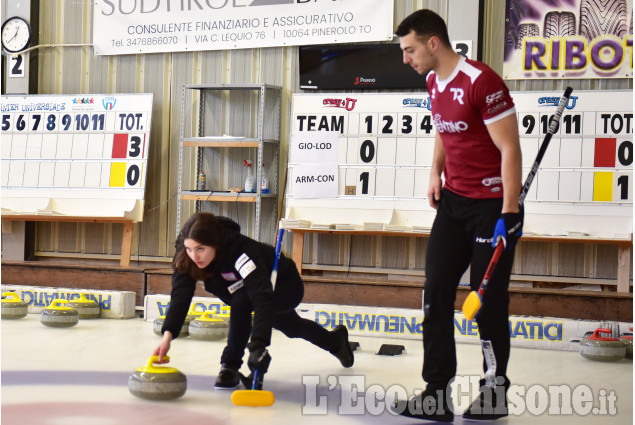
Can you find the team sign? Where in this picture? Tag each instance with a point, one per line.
(148, 26)
(315, 172)
(75, 146)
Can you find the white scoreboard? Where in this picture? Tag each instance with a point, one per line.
(385, 153)
(58, 151)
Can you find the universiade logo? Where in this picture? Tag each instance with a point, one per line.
(348, 103)
(417, 103)
(108, 103)
(352, 396)
(555, 100)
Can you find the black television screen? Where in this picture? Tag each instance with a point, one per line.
(356, 67)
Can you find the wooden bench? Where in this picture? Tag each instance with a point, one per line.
(126, 243)
(624, 245)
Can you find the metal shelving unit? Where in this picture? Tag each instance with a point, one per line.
(231, 118)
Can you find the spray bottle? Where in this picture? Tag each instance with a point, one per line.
(264, 182)
(201, 181)
(249, 181)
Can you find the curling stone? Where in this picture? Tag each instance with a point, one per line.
(59, 315)
(191, 315)
(157, 382)
(13, 307)
(87, 309)
(208, 327)
(225, 311)
(158, 324)
(602, 348)
(627, 339)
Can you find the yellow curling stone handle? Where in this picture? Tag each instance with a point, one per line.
(151, 368)
(58, 304)
(208, 316)
(83, 299)
(10, 297)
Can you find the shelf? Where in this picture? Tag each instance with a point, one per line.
(219, 142)
(219, 196)
(204, 142)
(215, 116)
(223, 196)
(255, 86)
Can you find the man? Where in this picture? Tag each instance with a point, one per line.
(477, 151)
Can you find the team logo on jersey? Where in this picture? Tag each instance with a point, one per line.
(458, 94)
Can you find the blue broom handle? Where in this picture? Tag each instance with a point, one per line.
(274, 272)
(254, 384)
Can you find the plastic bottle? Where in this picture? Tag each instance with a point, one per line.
(249, 181)
(201, 181)
(264, 182)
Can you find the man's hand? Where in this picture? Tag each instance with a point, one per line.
(509, 228)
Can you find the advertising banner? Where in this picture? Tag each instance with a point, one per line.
(568, 39)
(150, 26)
(389, 324)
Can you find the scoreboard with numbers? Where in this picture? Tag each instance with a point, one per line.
(61, 150)
(386, 146)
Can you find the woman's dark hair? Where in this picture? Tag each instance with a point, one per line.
(205, 229)
(425, 23)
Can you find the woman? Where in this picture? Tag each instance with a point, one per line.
(237, 269)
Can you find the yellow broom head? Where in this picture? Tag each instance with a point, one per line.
(253, 398)
(472, 305)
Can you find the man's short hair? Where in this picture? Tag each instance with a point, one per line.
(425, 23)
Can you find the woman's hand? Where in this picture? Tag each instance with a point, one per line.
(164, 346)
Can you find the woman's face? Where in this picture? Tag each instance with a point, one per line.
(201, 255)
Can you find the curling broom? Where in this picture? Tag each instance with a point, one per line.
(255, 397)
(474, 300)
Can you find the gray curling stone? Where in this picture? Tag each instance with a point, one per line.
(602, 348)
(59, 315)
(208, 328)
(87, 308)
(191, 315)
(157, 382)
(13, 307)
(158, 324)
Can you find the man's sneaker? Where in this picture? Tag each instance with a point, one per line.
(228, 378)
(429, 405)
(488, 405)
(344, 352)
